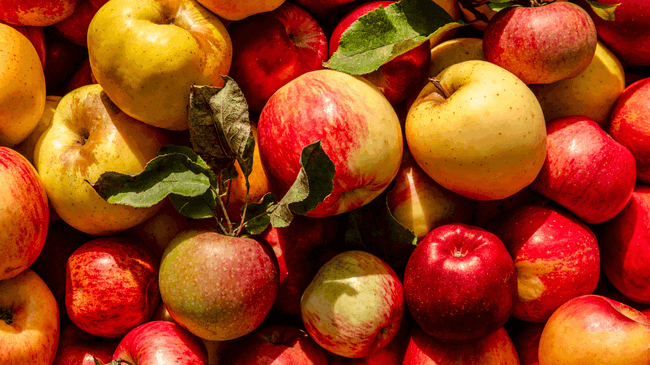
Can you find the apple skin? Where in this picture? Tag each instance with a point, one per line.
(149, 77)
(33, 334)
(238, 10)
(111, 286)
(586, 171)
(39, 13)
(358, 128)
(354, 306)
(27, 146)
(484, 211)
(406, 74)
(231, 293)
(494, 349)
(36, 35)
(592, 329)
(556, 257)
(275, 345)
(460, 283)
(322, 8)
(624, 245)
(455, 51)
(629, 125)
(24, 214)
(79, 146)
(541, 44)
(75, 27)
(273, 48)
(22, 96)
(161, 343)
(480, 157)
(77, 347)
(628, 35)
(593, 93)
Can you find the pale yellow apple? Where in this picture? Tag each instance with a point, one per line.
(146, 54)
(593, 93)
(484, 138)
(455, 51)
(452, 8)
(26, 147)
(22, 87)
(240, 9)
(89, 135)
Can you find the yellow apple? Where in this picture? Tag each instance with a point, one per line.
(481, 135)
(593, 93)
(26, 147)
(455, 51)
(240, 9)
(146, 55)
(89, 135)
(452, 8)
(22, 87)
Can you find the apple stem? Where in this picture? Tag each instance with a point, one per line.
(225, 213)
(7, 316)
(438, 86)
(243, 213)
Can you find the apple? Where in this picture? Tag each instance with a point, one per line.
(628, 32)
(358, 128)
(77, 347)
(452, 7)
(29, 320)
(592, 329)
(460, 283)
(24, 219)
(238, 10)
(475, 153)
(420, 204)
(147, 54)
(527, 343)
(27, 146)
(22, 95)
(354, 305)
(75, 27)
(36, 35)
(484, 211)
(471, 18)
(276, 345)
(593, 93)
(83, 76)
(39, 13)
(397, 78)
(625, 247)
(111, 286)
(63, 60)
(218, 287)
(541, 44)
(88, 136)
(556, 257)
(629, 125)
(323, 8)
(455, 51)
(586, 170)
(494, 349)
(160, 343)
(271, 49)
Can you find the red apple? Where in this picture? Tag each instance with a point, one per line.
(39, 13)
(358, 128)
(527, 343)
(36, 35)
(273, 48)
(24, 213)
(275, 345)
(592, 329)
(77, 347)
(485, 210)
(541, 44)
(322, 8)
(585, 170)
(629, 125)
(111, 286)
(556, 257)
(63, 60)
(460, 283)
(625, 245)
(160, 343)
(83, 76)
(494, 349)
(75, 27)
(398, 78)
(29, 320)
(628, 33)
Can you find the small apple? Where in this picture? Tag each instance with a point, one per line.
(40, 13)
(484, 211)
(238, 10)
(77, 347)
(482, 156)
(543, 43)
(75, 27)
(354, 305)
(586, 170)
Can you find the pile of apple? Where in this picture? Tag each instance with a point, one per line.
(490, 202)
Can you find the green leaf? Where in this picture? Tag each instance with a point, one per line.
(604, 11)
(385, 33)
(498, 5)
(170, 173)
(312, 185)
(257, 219)
(197, 207)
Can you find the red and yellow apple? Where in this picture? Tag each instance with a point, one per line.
(39, 13)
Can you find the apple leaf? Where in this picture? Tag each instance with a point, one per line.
(604, 11)
(312, 185)
(176, 170)
(385, 33)
(498, 5)
(196, 207)
(257, 214)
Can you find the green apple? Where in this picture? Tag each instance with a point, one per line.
(480, 132)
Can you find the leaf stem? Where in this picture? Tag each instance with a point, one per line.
(268, 211)
(223, 209)
(243, 213)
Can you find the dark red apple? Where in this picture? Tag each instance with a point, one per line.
(460, 283)
(75, 27)
(527, 343)
(77, 347)
(63, 59)
(83, 76)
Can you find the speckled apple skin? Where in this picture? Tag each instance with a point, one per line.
(40, 13)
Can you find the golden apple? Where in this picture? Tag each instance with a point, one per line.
(455, 51)
(146, 55)
(27, 146)
(89, 135)
(239, 9)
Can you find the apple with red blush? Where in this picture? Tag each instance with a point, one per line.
(75, 27)
(39, 13)
(77, 347)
